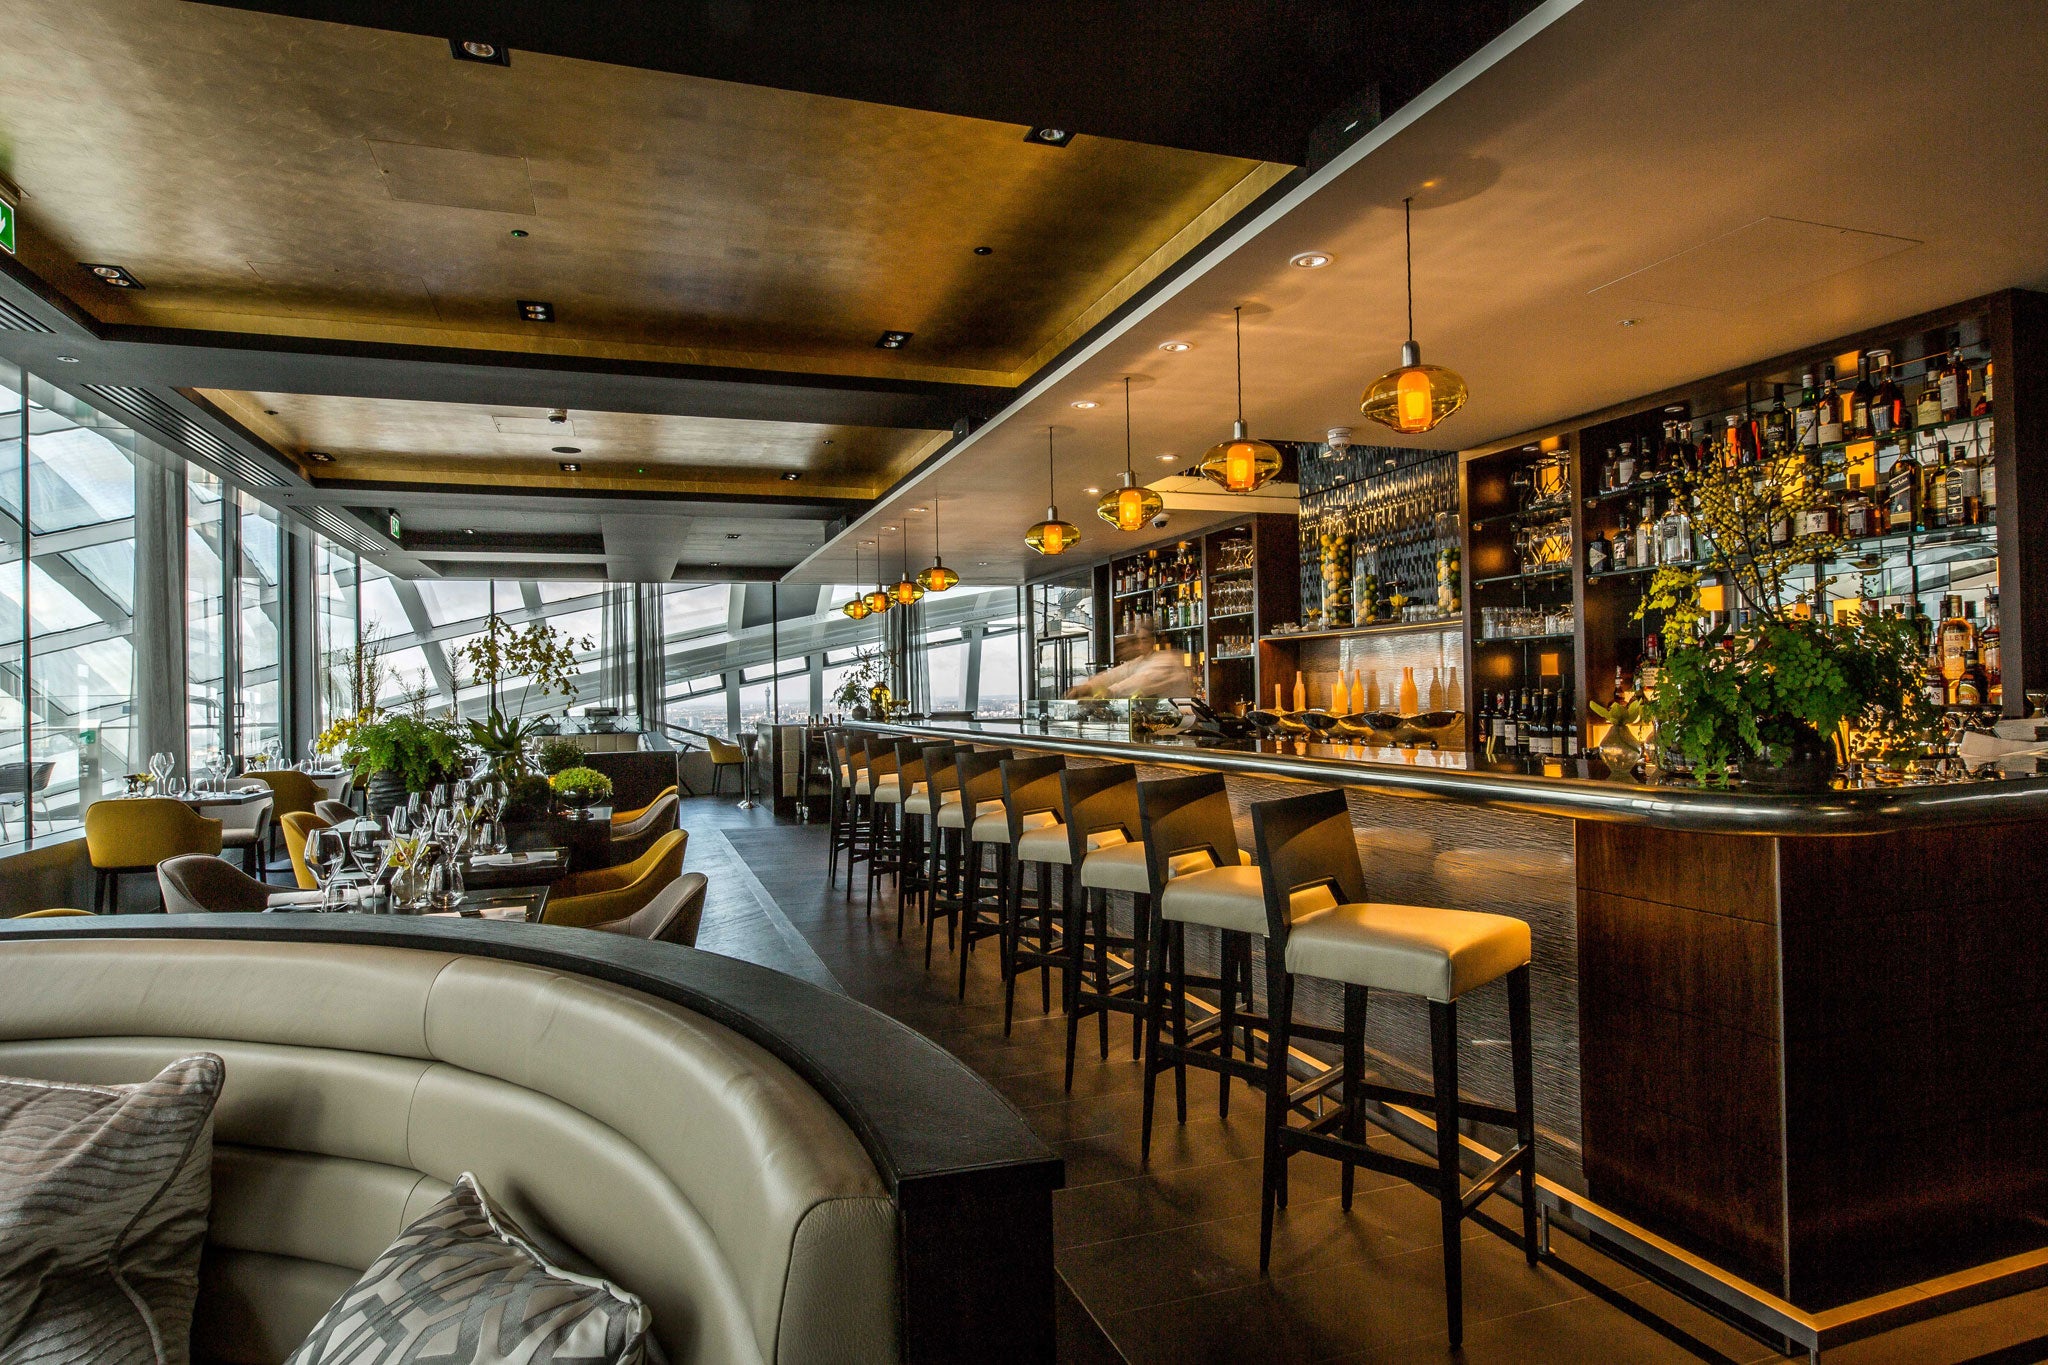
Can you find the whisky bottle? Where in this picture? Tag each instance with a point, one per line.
(1954, 385)
(1957, 638)
(1888, 411)
(1902, 496)
(1988, 653)
(1935, 513)
(1644, 555)
(1777, 424)
(1860, 423)
(1927, 408)
(1806, 417)
(1597, 555)
(1625, 466)
(1830, 411)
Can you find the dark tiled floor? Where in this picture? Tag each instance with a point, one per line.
(1166, 1262)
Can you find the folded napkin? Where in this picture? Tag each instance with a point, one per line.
(510, 859)
(285, 900)
(500, 912)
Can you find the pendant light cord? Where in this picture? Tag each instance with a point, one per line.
(1127, 424)
(1239, 311)
(1050, 499)
(1408, 251)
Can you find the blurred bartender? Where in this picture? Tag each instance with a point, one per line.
(1149, 671)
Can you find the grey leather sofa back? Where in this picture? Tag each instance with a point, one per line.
(633, 1136)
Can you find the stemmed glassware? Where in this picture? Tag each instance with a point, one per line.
(327, 858)
(160, 766)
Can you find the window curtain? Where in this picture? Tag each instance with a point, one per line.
(158, 620)
(649, 666)
(615, 681)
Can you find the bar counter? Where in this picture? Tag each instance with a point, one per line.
(1804, 1037)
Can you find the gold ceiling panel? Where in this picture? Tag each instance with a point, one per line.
(287, 176)
(389, 440)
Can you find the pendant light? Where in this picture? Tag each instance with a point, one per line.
(1415, 397)
(858, 608)
(1129, 507)
(1052, 536)
(1240, 464)
(908, 591)
(938, 577)
(879, 600)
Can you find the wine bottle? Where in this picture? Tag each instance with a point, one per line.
(1806, 418)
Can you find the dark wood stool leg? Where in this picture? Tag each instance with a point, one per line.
(1141, 965)
(1179, 934)
(1101, 922)
(1226, 970)
(1010, 933)
(1273, 1172)
(1048, 875)
(1354, 1074)
(1070, 983)
(970, 903)
(1443, 1034)
(1522, 1048)
(1158, 999)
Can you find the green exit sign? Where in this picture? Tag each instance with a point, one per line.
(6, 227)
(397, 532)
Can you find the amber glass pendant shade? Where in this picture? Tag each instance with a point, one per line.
(857, 609)
(1240, 464)
(907, 592)
(1129, 508)
(938, 577)
(878, 602)
(1053, 536)
(1415, 397)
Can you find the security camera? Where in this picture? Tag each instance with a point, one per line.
(1160, 520)
(559, 416)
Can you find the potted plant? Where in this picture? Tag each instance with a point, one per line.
(577, 788)
(402, 752)
(860, 683)
(1761, 681)
(528, 797)
(556, 754)
(543, 657)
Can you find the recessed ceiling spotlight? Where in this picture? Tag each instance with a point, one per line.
(917, 509)
(469, 530)
(480, 50)
(114, 275)
(270, 412)
(984, 251)
(1049, 137)
(981, 563)
(68, 359)
(714, 563)
(1092, 492)
(571, 467)
(1086, 403)
(1628, 322)
(519, 232)
(893, 341)
(732, 535)
(1678, 408)
(536, 310)
(1168, 459)
(791, 477)
(888, 528)
(568, 450)
(319, 457)
(1311, 260)
(1176, 346)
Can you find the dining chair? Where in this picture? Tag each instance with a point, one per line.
(125, 836)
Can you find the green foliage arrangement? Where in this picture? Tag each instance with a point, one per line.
(528, 797)
(419, 750)
(557, 755)
(1777, 688)
(538, 653)
(502, 742)
(865, 675)
(584, 784)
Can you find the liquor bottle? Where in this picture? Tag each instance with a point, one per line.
(1966, 492)
(1927, 408)
(1806, 417)
(1620, 684)
(1956, 639)
(1620, 543)
(1988, 653)
(1485, 719)
(1860, 423)
(1830, 430)
(1935, 512)
(1625, 465)
(1675, 534)
(1888, 411)
(1598, 556)
(1777, 424)
(1652, 666)
(1509, 728)
(1970, 682)
(1902, 496)
(1610, 468)
(1987, 487)
(1539, 746)
(1643, 554)
(1954, 384)
(1571, 729)
(1780, 532)
(1981, 405)
(1525, 723)
(1300, 692)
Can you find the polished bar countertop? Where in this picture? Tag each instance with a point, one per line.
(1557, 787)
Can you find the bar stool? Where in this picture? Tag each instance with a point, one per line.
(839, 807)
(857, 830)
(906, 859)
(1101, 813)
(1320, 924)
(1197, 875)
(977, 787)
(879, 785)
(1031, 828)
(941, 788)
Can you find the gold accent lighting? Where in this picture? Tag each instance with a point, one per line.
(1415, 397)
(1240, 464)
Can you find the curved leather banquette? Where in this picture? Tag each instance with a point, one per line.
(630, 1135)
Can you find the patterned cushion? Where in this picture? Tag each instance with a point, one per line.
(464, 1286)
(104, 1192)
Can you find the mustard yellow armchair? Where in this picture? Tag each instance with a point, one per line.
(135, 835)
(627, 823)
(724, 754)
(298, 827)
(586, 899)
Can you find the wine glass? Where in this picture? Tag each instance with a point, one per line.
(326, 859)
(401, 821)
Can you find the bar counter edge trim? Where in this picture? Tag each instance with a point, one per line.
(1697, 809)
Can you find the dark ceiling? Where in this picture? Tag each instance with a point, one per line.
(1227, 77)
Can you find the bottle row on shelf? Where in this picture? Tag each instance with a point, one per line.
(1528, 723)
(1236, 644)
(1176, 567)
(1516, 623)
(1176, 608)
